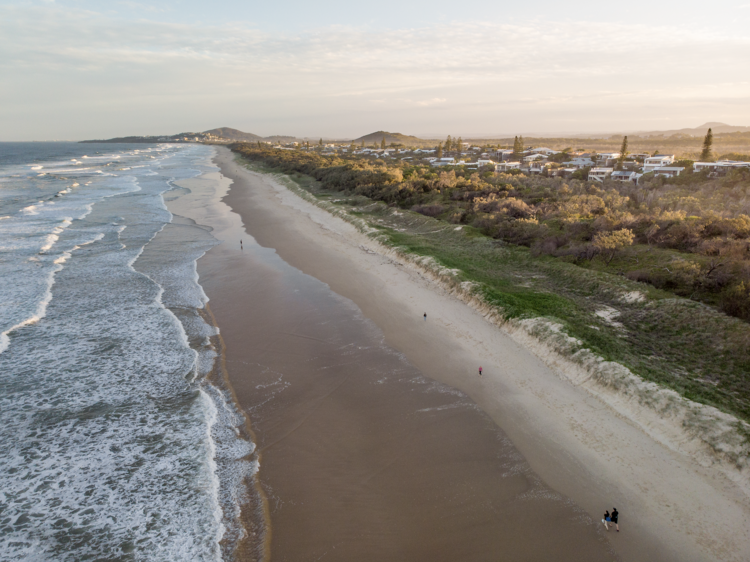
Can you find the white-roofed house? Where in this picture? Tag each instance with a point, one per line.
(720, 166)
(505, 166)
(544, 150)
(535, 156)
(600, 174)
(625, 176)
(579, 163)
(653, 162)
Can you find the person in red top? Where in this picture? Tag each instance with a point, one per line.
(480, 371)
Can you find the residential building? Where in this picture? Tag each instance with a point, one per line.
(533, 157)
(668, 171)
(538, 167)
(504, 154)
(600, 174)
(580, 162)
(720, 166)
(625, 176)
(444, 162)
(544, 150)
(505, 166)
(653, 162)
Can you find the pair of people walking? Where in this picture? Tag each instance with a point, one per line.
(611, 519)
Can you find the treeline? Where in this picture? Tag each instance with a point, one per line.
(730, 146)
(689, 235)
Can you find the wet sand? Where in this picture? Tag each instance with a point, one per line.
(362, 456)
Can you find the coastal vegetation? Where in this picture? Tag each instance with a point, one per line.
(689, 235)
(603, 262)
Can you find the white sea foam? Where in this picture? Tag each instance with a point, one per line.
(117, 446)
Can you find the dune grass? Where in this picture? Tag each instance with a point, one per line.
(691, 348)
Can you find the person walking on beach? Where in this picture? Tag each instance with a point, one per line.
(606, 519)
(614, 516)
(480, 370)
(425, 317)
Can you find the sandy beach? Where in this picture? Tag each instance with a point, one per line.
(378, 439)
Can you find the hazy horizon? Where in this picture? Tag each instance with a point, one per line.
(75, 70)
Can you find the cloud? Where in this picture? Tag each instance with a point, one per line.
(433, 101)
(58, 57)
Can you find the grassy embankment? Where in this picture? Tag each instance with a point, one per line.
(683, 345)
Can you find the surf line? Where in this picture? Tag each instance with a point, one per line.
(221, 375)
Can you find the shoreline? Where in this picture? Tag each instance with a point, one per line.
(555, 425)
(362, 456)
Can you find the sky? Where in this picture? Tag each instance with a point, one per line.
(82, 69)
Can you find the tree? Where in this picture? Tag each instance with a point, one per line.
(459, 145)
(623, 152)
(440, 150)
(320, 143)
(363, 143)
(520, 143)
(608, 243)
(382, 143)
(517, 148)
(706, 153)
(353, 147)
(448, 144)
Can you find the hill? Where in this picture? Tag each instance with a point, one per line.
(716, 127)
(396, 138)
(232, 134)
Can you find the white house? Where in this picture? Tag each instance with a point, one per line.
(668, 171)
(444, 162)
(538, 167)
(505, 166)
(653, 162)
(532, 157)
(481, 162)
(579, 163)
(625, 176)
(600, 174)
(608, 156)
(544, 150)
(721, 165)
(504, 154)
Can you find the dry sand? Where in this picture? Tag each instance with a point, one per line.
(671, 507)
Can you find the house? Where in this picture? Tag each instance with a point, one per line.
(505, 166)
(653, 162)
(668, 172)
(625, 176)
(538, 167)
(533, 157)
(580, 162)
(444, 162)
(561, 172)
(504, 154)
(600, 174)
(720, 166)
(482, 162)
(604, 156)
(544, 150)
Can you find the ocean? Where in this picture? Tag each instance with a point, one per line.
(116, 445)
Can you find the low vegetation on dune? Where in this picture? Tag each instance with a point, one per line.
(689, 235)
(604, 262)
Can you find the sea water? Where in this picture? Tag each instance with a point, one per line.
(114, 444)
